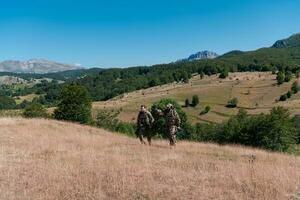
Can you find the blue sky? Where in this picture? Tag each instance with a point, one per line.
(120, 33)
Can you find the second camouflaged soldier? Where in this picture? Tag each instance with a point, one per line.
(172, 122)
(144, 124)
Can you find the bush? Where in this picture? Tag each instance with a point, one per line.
(296, 121)
(75, 105)
(23, 104)
(108, 120)
(288, 76)
(195, 100)
(280, 77)
(297, 74)
(159, 123)
(223, 74)
(283, 97)
(187, 103)
(204, 132)
(7, 103)
(126, 128)
(35, 110)
(289, 94)
(232, 103)
(275, 131)
(206, 110)
(278, 133)
(295, 87)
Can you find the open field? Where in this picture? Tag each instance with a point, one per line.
(29, 98)
(44, 159)
(256, 91)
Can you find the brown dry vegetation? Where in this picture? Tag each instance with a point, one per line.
(256, 91)
(44, 159)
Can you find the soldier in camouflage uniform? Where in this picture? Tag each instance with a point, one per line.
(172, 122)
(144, 124)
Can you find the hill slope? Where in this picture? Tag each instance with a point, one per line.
(113, 82)
(43, 159)
(256, 92)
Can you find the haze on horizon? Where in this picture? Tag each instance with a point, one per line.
(128, 33)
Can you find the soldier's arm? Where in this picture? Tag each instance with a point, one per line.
(159, 112)
(138, 120)
(150, 117)
(178, 118)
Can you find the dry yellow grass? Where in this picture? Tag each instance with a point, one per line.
(44, 159)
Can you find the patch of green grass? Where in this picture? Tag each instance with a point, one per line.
(10, 113)
(294, 150)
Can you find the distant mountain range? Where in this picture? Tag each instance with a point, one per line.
(39, 66)
(201, 55)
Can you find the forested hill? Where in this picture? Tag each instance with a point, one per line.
(63, 76)
(112, 82)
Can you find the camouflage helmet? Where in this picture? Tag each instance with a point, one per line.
(169, 105)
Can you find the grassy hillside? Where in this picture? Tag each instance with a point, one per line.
(43, 159)
(256, 91)
(113, 82)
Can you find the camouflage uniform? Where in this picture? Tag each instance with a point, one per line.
(144, 123)
(172, 123)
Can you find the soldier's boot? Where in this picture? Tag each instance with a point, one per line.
(149, 140)
(172, 140)
(141, 139)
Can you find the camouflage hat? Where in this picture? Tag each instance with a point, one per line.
(169, 105)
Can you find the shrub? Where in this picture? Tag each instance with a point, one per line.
(204, 132)
(278, 133)
(201, 74)
(283, 97)
(75, 105)
(289, 94)
(274, 131)
(108, 120)
(297, 74)
(232, 103)
(295, 87)
(206, 110)
(195, 100)
(187, 103)
(35, 110)
(223, 74)
(7, 102)
(23, 104)
(296, 121)
(273, 71)
(280, 77)
(288, 76)
(126, 128)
